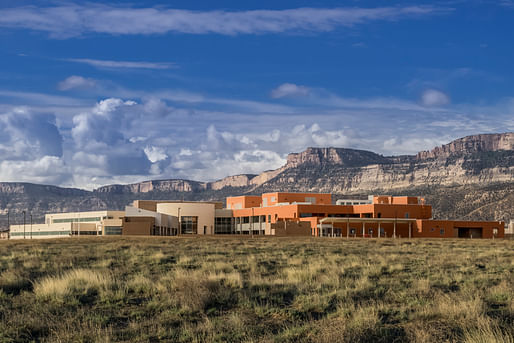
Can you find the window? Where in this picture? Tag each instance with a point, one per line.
(246, 220)
(223, 225)
(273, 199)
(269, 218)
(305, 215)
(352, 231)
(110, 230)
(432, 229)
(379, 215)
(311, 200)
(495, 231)
(189, 225)
(406, 214)
(441, 231)
(77, 220)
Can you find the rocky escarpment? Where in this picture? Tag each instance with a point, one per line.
(471, 145)
(335, 156)
(453, 177)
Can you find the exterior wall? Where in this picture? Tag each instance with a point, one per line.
(271, 199)
(138, 226)
(204, 212)
(83, 217)
(161, 219)
(396, 200)
(395, 211)
(432, 228)
(151, 205)
(245, 201)
(39, 231)
(290, 228)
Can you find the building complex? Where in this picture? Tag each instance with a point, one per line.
(276, 214)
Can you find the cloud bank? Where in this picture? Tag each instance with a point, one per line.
(160, 136)
(74, 20)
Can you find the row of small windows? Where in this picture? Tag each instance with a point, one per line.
(41, 233)
(112, 230)
(78, 220)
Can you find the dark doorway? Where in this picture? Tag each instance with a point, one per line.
(470, 232)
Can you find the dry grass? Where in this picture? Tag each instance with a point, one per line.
(256, 290)
(71, 282)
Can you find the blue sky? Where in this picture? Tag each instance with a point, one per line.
(93, 93)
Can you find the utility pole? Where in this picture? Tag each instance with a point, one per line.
(24, 224)
(179, 225)
(251, 225)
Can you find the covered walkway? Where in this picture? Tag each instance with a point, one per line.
(328, 223)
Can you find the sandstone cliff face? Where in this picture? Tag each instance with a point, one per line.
(232, 181)
(471, 144)
(154, 186)
(339, 156)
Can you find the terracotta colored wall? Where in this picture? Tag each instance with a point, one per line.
(282, 229)
(431, 228)
(246, 201)
(138, 226)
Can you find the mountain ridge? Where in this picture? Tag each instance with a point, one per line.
(471, 163)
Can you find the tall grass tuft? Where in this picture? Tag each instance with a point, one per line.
(76, 281)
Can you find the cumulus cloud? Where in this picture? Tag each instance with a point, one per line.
(288, 90)
(122, 64)
(118, 140)
(433, 97)
(76, 82)
(155, 154)
(71, 20)
(31, 147)
(101, 131)
(25, 135)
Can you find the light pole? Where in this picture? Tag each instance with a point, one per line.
(24, 224)
(251, 225)
(179, 226)
(31, 226)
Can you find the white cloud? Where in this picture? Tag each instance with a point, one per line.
(74, 20)
(122, 64)
(118, 140)
(76, 82)
(289, 89)
(155, 154)
(433, 97)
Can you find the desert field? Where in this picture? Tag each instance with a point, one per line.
(256, 290)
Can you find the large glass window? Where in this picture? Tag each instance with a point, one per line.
(111, 230)
(189, 225)
(223, 225)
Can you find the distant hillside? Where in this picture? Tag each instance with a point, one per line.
(469, 178)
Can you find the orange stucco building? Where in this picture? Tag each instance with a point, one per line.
(383, 216)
